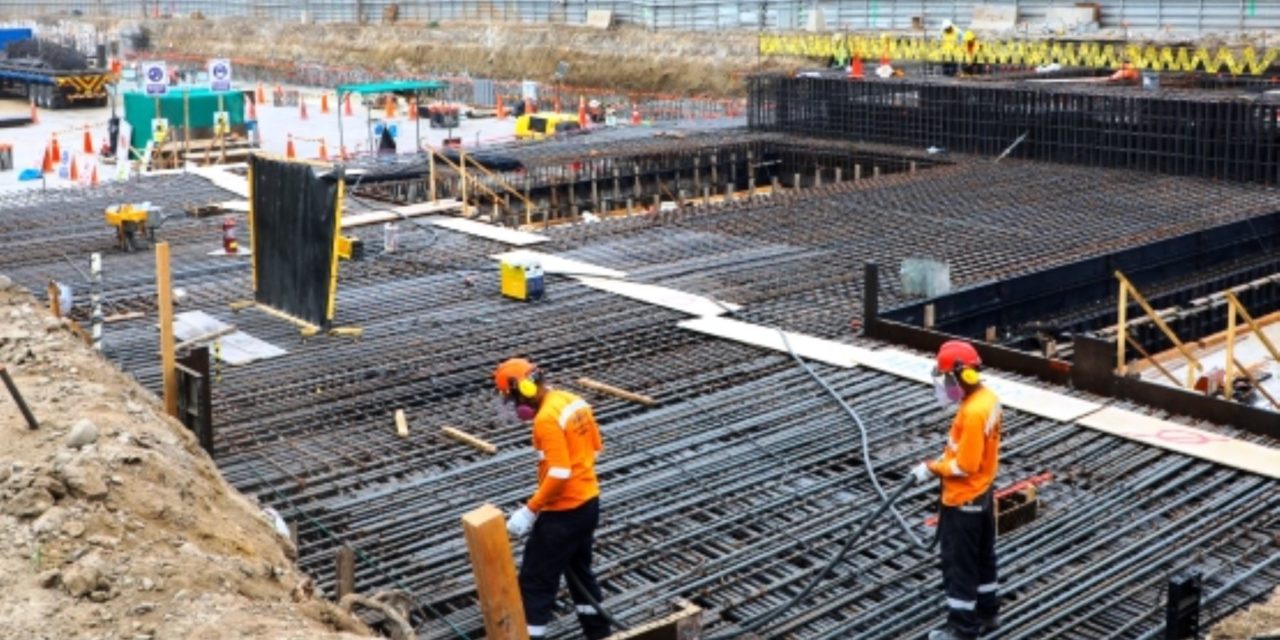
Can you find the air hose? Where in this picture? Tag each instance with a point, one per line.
(820, 576)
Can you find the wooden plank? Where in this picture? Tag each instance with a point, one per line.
(485, 531)
(168, 359)
(674, 299)
(345, 571)
(617, 392)
(1021, 396)
(809, 347)
(223, 178)
(559, 265)
(1197, 443)
(402, 424)
(1018, 395)
(366, 218)
(482, 230)
(469, 440)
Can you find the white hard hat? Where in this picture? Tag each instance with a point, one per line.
(947, 24)
(593, 104)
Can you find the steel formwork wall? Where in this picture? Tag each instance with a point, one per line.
(1181, 17)
(1195, 134)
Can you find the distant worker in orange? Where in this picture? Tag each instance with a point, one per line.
(967, 467)
(562, 515)
(1126, 73)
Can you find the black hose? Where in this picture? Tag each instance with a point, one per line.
(819, 577)
(576, 583)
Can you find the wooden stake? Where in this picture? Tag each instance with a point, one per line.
(346, 571)
(55, 303)
(469, 440)
(602, 387)
(1122, 328)
(168, 361)
(402, 425)
(495, 572)
(1228, 375)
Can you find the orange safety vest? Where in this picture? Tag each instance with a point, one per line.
(567, 440)
(968, 465)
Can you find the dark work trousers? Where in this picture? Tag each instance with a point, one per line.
(968, 537)
(561, 540)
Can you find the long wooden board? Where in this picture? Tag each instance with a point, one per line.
(809, 347)
(498, 234)
(366, 218)
(560, 265)
(1198, 443)
(692, 304)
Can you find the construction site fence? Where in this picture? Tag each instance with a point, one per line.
(1144, 17)
(1022, 52)
(482, 92)
(1191, 134)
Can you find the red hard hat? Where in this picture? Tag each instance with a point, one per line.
(509, 370)
(957, 352)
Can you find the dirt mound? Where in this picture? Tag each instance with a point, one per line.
(114, 524)
(1261, 620)
(627, 58)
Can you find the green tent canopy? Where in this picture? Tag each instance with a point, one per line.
(140, 108)
(392, 86)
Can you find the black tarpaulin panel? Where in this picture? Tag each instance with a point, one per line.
(294, 213)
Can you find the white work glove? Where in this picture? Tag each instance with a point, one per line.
(921, 473)
(520, 522)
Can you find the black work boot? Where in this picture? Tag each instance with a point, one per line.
(989, 623)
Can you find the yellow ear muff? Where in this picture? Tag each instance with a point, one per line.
(969, 376)
(527, 387)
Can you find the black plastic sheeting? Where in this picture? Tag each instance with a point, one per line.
(293, 237)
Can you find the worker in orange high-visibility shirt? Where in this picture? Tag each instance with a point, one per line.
(562, 515)
(967, 467)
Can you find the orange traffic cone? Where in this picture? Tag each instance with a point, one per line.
(324, 151)
(582, 111)
(88, 142)
(288, 149)
(635, 114)
(855, 69)
(413, 109)
(346, 105)
(342, 152)
(47, 165)
(261, 96)
(302, 108)
(74, 176)
(251, 108)
(391, 107)
(57, 153)
(35, 115)
(93, 177)
(528, 106)
(502, 109)
(324, 103)
(558, 105)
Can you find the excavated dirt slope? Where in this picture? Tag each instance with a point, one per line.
(113, 523)
(627, 58)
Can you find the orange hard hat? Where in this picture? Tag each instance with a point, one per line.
(510, 372)
(955, 354)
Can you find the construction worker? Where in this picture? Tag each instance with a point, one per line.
(562, 515)
(967, 467)
(970, 51)
(950, 39)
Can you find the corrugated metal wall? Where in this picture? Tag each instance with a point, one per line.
(1144, 17)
